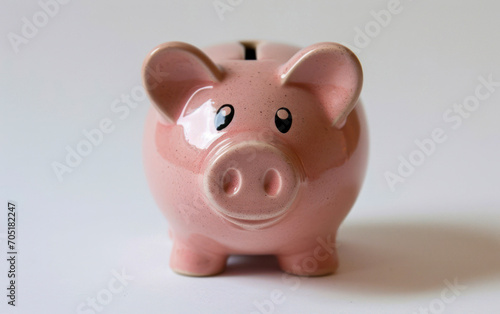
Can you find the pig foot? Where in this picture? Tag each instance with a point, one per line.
(192, 261)
(310, 263)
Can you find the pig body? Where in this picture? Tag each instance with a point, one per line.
(254, 157)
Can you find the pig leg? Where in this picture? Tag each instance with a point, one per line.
(317, 261)
(193, 260)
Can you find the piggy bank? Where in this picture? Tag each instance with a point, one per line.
(254, 148)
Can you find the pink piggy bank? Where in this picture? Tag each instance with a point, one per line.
(254, 148)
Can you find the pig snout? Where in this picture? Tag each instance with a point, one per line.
(252, 183)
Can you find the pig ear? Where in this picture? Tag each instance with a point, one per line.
(332, 72)
(173, 72)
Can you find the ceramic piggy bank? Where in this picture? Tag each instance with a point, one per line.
(254, 148)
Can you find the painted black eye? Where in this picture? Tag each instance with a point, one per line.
(224, 116)
(283, 120)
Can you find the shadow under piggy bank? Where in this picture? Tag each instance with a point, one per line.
(398, 258)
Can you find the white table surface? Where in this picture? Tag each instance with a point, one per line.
(399, 250)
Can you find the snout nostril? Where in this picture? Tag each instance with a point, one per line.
(231, 181)
(254, 192)
(272, 182)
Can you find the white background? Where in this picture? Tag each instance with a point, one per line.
(398, 249)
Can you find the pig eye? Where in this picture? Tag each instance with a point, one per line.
(224, 116)
(283, 120)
